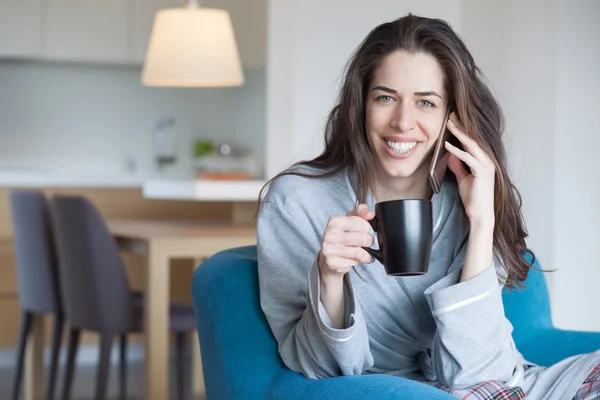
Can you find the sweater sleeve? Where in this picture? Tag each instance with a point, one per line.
(289, 295)
(473, 341)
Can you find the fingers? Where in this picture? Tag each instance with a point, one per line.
(354, 221)
(457, 167)
(360, 239)
(461, 156)
(362, 210)
(340, 255)
(344, 239)
(468, 143)
(477, 160)
(349, 224)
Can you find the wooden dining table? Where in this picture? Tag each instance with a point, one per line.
(160, 242)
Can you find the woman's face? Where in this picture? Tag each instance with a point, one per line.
(405, 110)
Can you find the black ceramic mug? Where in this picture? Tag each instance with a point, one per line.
(405, 234)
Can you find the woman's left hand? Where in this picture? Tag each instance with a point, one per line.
(477, 187)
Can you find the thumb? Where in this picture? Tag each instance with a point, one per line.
(362, 210)
(457, 167)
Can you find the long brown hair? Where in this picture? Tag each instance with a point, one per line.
(345, 135)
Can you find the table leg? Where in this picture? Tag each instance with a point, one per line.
(34, 361)
(157, 322)
(197, 371)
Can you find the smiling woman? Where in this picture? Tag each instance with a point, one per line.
(446, 328)
(405, 109)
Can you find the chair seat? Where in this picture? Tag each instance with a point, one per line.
(181, 315)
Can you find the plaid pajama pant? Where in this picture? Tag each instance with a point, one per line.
(491, 390)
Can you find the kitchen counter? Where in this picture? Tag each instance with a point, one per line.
(43, 180)
(202, 190)
(153, 187)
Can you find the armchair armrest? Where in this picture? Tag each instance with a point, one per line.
(549, 345)
(291, 386)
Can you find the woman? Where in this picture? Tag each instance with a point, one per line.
(331, 307)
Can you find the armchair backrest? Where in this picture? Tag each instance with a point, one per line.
(528, 308)
(231, 323)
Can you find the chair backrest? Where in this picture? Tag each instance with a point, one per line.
(95, 289)
(235, 338)
(37, 271)
(528, 308)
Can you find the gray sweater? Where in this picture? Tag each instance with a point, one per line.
(430, 327)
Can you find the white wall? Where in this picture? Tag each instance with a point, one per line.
(514, 43)
(87, 120)
(577, 166)
(542, 59)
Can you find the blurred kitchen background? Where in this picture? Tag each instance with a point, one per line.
(71, 96)
(76, 118)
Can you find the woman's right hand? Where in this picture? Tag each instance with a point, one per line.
(343, 239)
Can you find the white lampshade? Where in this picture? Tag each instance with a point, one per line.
(192, 47)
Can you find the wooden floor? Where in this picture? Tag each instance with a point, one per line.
(83, 387)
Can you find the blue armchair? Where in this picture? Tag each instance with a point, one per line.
(240, 356)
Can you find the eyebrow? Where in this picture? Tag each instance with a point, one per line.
(390, 90)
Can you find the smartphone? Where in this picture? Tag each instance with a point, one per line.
(439, 161)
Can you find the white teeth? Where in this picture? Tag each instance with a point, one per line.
(401, 147)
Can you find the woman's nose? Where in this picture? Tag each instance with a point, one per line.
(403, 118)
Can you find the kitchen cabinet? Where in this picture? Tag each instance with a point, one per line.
(20, 28)
(87, 30)
(112, 31)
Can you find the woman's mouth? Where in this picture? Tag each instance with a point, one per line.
(401, 149)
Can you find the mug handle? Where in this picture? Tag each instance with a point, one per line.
(378, 254)
(373, 223)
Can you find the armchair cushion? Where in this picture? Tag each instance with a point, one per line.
(293, 386)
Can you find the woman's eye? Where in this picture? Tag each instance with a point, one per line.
(385, 99)
(426, 104)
